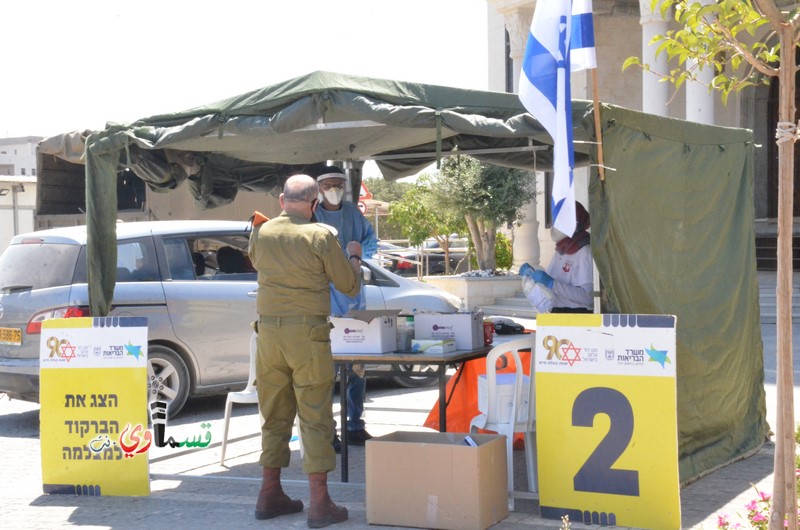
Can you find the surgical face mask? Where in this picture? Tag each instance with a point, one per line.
(334, 195)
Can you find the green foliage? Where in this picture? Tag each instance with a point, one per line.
(493, 193)
(504, 252)
(487, 196)
(465, 195)
(415, 219)
(727, 36)
(387, 191)
(420, 215)
(756, 514)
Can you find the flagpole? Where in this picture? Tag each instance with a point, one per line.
(597, 128)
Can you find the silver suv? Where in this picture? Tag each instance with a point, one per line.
(193, 282)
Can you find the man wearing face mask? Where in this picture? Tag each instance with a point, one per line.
(567, 282)
(351, 225)
(297, 262)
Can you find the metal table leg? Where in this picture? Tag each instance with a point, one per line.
(442, 399)
(343, 371)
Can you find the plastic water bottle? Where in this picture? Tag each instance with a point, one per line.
(405, 332)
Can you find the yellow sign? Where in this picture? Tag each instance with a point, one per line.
(93, 395)
(606, 419)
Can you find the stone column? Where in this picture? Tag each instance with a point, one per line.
(654, 93)
(518, 25)
(517, 16)
(699, 99)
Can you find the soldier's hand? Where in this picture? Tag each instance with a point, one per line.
(354, 249)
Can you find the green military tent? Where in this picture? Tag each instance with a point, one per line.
(672, 227)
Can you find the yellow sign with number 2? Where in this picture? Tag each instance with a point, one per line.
(606, 419)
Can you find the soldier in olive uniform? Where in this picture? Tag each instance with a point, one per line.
(296, 261)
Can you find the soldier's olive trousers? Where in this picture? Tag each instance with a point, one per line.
(294, 375)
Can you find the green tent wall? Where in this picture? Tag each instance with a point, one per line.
(673, 233)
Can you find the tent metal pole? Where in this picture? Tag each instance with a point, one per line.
(460, 152)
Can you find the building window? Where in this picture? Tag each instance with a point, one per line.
(23, 171)
(33, 172)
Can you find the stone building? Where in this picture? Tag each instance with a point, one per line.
(17, 186)
(624, 28)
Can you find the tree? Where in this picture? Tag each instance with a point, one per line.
(748, 42)
(387, 191)
(487, 196)
(421, 216)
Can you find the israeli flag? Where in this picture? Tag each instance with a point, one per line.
(544, 90)
(581, 43)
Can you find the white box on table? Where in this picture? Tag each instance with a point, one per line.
(433, 346)
(505, 396)
(436, 480)
(368, 331)
(465, 328)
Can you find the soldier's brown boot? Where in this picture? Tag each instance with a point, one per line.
(321, 511)
(272, 501)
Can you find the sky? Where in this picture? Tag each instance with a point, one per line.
(77, 65)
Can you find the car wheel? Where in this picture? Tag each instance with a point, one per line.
(410, 381)
(167, 378)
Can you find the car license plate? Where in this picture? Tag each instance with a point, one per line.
(10, 336)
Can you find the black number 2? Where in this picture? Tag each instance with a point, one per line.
(596, 474)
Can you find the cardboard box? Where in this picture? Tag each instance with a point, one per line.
(433, 346)
(505, 395)
(372, 331)
(436, 480)
(466, 328)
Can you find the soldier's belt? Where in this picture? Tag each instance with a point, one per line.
(311, 320)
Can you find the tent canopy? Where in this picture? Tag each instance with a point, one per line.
(254, 141)
(672, 225)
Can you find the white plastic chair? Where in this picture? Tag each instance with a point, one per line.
(522, 417)
(248, 395)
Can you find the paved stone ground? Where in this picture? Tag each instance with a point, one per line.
(190, 488)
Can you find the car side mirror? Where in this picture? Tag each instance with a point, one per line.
(366, 274)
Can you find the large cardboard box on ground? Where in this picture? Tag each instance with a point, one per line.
(435, 480)
(368, 331)
(466, 328)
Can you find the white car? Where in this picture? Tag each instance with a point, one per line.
(193, 282)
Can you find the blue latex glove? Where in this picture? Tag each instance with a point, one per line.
(526, 270)
(543, 278)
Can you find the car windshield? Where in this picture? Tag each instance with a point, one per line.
(37, 266)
